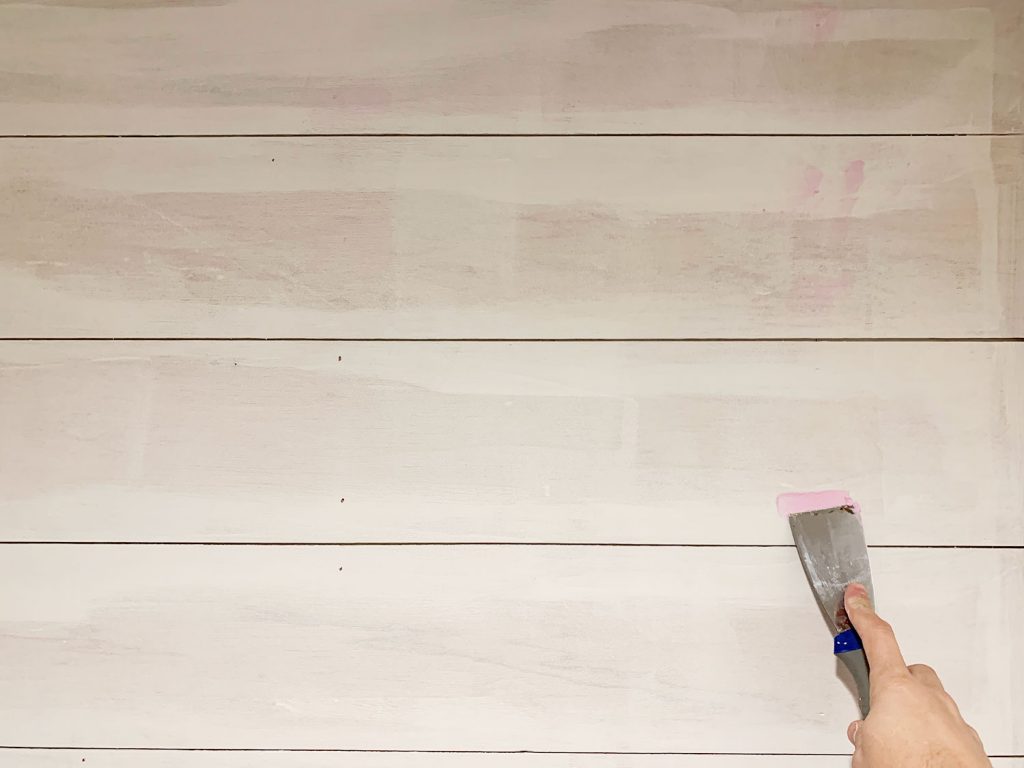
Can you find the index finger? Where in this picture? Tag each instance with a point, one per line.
(877, 637)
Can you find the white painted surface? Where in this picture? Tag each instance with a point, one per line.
(513, 238)
(503, 648)
(590, 649)
(259, 66)
(614, 442)
(133, 759)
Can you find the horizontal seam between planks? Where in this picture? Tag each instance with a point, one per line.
(403, 135)
(551, 340)
(425, 751)
(445, 751)
(626, 544)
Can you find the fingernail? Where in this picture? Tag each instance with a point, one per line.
(857, 596)
(851, 732)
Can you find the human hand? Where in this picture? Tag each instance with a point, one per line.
(913, 722)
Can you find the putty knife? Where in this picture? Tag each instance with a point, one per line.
(829, 538)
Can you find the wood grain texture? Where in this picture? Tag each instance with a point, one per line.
(587, 442)
(130, 759)
(506, 648)
(535, 237)
(764, 66)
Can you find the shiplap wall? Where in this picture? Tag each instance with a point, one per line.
(134, 759)
(315, 576)
(569, 442)
(741, 66)
(513, 237)
(477, 648)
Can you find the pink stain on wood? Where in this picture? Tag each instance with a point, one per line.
(853, 177)
(811, 185)
(823, 22)
(853, 180)
(819, 292)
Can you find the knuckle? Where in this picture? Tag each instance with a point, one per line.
(897, 680)
(882, 628)
(885, 627)
(950, 702)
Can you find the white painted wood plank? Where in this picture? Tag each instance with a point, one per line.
(130, 759)
(505, 648)
(534, 237)
(167, 67)
(595, 442)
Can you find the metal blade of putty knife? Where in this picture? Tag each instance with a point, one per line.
(833, 554)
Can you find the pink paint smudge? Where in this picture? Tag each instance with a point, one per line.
(823, 21)
(854, 177)
(811, 185)
(820, 292)
(794, 503)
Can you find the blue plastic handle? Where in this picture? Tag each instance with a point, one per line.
(846, 641)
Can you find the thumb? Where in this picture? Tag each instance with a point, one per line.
(880, 646)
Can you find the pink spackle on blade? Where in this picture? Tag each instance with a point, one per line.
(795, 503)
